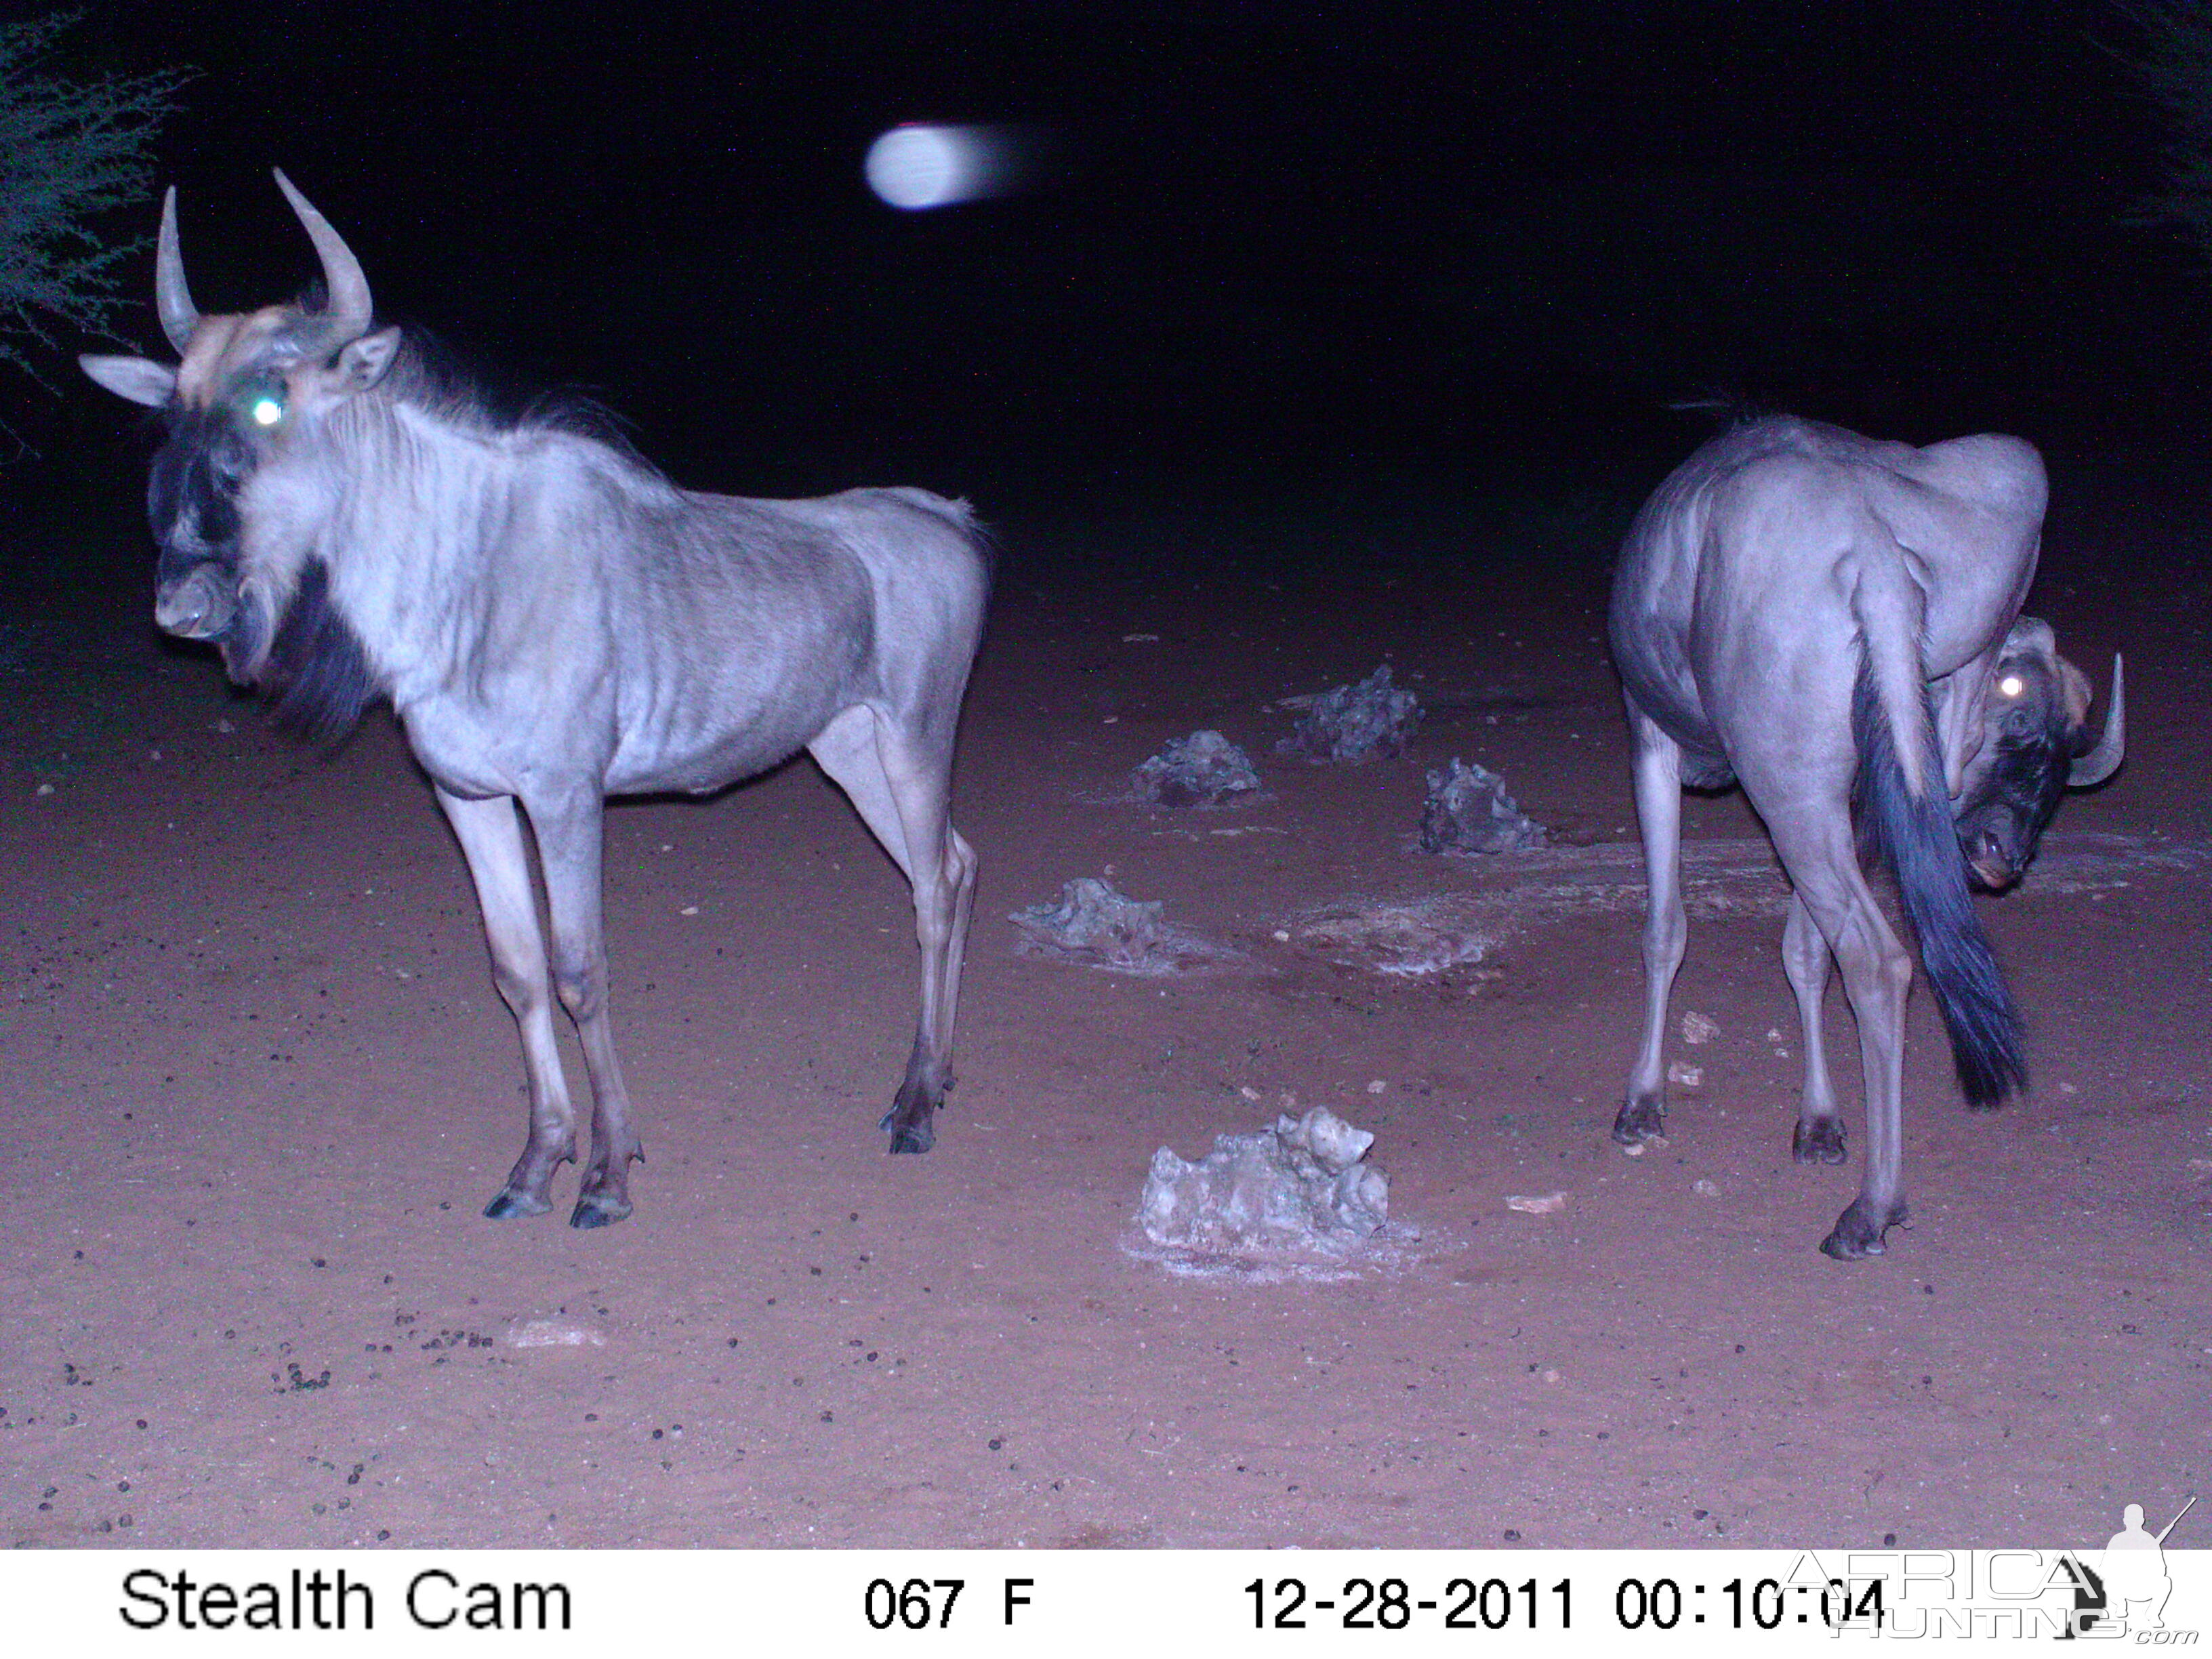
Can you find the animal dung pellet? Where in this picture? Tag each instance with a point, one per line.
(1468, 810)
(1350, 722)
(1696, 1027)
(1548, 1204)
(1301, 1188)
(1198, 770)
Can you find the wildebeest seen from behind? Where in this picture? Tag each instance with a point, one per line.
(555, 622)
(1834, 622)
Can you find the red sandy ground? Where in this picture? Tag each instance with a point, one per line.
(258, 1085)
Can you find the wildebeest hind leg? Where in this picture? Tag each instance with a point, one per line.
(1816, 845)
(900, 786)
(1805, 958)
(1643, 1115)
(491, 838)
(569, 830)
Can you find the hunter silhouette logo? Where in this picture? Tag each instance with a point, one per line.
(2125, 1593)
(2136, 1581)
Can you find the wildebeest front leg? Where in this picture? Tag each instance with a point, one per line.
(1805, 958)
(568, 826)
(1643, 1115)
(491, 835)
(900, 785)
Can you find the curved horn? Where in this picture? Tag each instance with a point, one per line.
(171, 297)
(350, 312)
(2103, 759)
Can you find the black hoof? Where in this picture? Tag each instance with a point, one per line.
(1860, 1231)
(917, 1137)
(1818, 1141)
(598, 1210)
(1640, 1121)
(509, 1204)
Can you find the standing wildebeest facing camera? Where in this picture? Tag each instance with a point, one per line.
(1835, 624)
(555, 622)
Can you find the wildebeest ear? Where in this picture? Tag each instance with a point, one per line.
(2074, 688)
(362, 363)
(2031, 635)
(135, 378)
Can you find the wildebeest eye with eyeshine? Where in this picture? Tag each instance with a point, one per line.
(261, 401)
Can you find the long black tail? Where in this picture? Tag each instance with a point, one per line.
(1915, 835)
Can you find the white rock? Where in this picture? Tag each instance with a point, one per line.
(1548, 1204)
(558, 1332)
(1298, 1187)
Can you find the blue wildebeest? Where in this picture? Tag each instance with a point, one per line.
(1835, 624)
(554, 622)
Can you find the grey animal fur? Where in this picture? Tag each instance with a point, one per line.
(1821, 616)
(555, 622)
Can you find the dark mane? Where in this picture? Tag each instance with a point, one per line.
(317, 676)
(431, 375)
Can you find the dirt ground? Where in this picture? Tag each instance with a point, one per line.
(255, 1086)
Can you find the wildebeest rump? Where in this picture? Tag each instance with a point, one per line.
(1835, 622)
(554, 622)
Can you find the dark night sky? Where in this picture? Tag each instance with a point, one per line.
(1362, 243)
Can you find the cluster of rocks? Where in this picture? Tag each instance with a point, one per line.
(1301, 1188)
(1468, 810)
(1199, 770)
(1300, 1191)
(1094, 923)
(1352, 722)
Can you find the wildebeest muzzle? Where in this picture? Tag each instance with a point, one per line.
(2037, 746)
(200, 605)
(191, 501)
